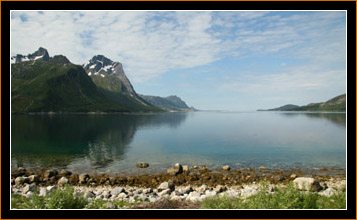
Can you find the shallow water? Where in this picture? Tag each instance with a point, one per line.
(115, 143)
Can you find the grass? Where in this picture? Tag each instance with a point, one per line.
(282, 198)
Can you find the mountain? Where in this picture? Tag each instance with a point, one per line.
(40, 83)
(337, 103)
(40, 54)
(110, 78)
(281, 108)
(170, 103)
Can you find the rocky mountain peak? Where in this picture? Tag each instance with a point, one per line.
(40, 54)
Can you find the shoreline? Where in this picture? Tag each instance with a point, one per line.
(175, 190)
(197, 175)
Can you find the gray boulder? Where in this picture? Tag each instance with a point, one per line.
(116, 191)
(166, 185)
(307, 183)
(176, 169)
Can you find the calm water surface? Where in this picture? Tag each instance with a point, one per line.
(116, 143)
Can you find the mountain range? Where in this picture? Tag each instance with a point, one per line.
(337, 103)
(40, 83)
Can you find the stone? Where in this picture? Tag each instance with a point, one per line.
(226, 167)
(194, 167)
(106, 194)
(293, 176)
(219, 188)
(63, 181)
(65, 173)
(328, 192)
(34, 179)
(51, 188)
(88, 194)
(29, 194)
(43, 192)
(164, 192)
(122, 195)
(262, 167)
(83, 178)
(203, 168)
(109, 205)
(176, 198)
(116, 191)
(202, 188)
(185, 169)
(49, 173)
(209, 193)
(148, 190)
(166, 185)
(188, 189)
(193, 196)
(307, 183)
(176, 169)
(142, 165)
(20, 180)
(248, 191)
(28, 188)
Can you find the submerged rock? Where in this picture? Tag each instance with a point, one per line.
(142, 165)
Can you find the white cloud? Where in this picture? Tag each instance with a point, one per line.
(152, 43)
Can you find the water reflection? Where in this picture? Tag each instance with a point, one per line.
(336, 118)
(57, 140)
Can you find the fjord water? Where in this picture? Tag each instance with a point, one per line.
(115, 143)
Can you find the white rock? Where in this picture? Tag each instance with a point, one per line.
(122, 195)
(63, 181)
(307, 183)
(88, 195)
(106, 194)
(28, 188)
(193, 196)
(43, 192)
(202, 188)
(51, 188)
(176, 198)
(166, 185)
(328, 192)
(164, 192)
(29, 194)
(209, 193)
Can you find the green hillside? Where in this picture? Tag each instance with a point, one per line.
(59, 86)
(337, 103)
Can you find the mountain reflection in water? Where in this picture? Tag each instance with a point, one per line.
(56, 140)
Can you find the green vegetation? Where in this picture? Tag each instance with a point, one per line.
(58, 199)
(282, 198)
(57, 86)
(62, 199)
(336, 104)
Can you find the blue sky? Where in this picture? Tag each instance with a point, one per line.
(214, 60)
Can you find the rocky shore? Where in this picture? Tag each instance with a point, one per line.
(179, 184)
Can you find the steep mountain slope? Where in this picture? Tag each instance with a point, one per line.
(110, 78)
(40, 83)
(171, 103)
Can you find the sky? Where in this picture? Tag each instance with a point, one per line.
(213, 60)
